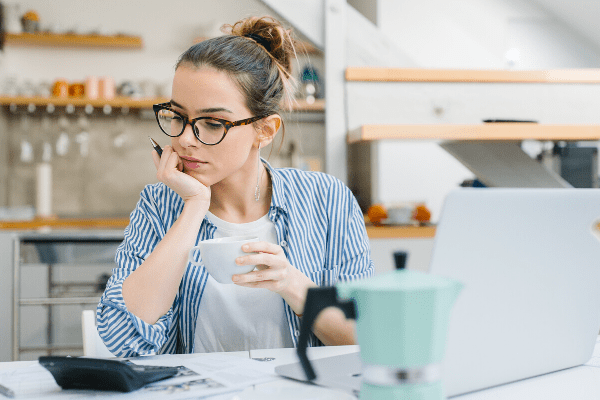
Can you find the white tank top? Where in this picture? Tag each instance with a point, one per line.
(237, 318)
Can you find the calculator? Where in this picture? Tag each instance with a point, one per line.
(103, 374)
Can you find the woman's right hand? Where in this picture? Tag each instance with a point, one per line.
(169, 169)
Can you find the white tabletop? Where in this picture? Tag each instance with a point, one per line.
(581, 382)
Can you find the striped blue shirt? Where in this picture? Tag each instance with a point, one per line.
(319, 226)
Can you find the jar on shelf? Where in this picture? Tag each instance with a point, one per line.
(106, 88)
(30, 21)
(60, 88)
(310, 84)
(76, 89)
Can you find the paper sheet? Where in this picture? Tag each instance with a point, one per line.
(30, 380)
(595, 360)
(200, 377)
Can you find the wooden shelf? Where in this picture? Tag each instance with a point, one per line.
(400, 231)
(81, 102)
(303, 105)
(71, 223)
(591, 75)
(491, 131)
(73, 40)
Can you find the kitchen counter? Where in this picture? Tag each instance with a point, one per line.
(374, 232)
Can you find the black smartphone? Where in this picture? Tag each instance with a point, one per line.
(103, 374)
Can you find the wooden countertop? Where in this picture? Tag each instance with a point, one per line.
(374, 232)
(400, 232)
(66, 223)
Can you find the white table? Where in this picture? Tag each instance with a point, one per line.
(581, 383)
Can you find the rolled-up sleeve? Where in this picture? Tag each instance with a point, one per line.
(123, 333)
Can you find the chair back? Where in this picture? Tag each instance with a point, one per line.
(93, 346)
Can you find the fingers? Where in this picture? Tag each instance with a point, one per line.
(259, 276)
(270, 285)
(267, 259)
(270, 267)
(264, 255)
(262, 247)
(253, 280)
(167, 163)
(172, 161)
(155, 158)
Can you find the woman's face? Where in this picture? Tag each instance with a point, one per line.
(207, 92)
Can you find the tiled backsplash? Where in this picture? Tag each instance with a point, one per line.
(107, 181)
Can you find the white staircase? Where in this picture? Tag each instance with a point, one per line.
(416, 167)
(347, 38)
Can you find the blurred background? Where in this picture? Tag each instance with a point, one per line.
(97, 152)
(78, 79)
(77, 84)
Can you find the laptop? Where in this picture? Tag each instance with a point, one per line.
(529, 260)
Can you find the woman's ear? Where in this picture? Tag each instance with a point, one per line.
(268, 129)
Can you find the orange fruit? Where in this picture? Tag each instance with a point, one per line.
(31, 16)
(421, 214)
(377, 213)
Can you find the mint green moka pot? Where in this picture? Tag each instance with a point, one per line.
(401, 325)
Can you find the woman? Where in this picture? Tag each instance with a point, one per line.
(225, 106)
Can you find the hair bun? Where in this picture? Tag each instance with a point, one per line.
(260, 40)
(269, 33)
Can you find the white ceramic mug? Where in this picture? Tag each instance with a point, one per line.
(218, 256)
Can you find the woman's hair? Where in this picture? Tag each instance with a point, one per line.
(257, 53)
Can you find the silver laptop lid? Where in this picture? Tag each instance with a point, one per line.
(530, 263)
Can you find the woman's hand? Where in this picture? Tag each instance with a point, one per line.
(277, 274)
(169, 169)
(274, 272)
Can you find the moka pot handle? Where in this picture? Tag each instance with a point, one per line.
(317, 299)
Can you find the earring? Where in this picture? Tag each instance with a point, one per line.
(257, 190)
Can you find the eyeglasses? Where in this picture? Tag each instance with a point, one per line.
(208, 130)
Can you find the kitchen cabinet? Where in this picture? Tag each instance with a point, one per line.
(48, 279)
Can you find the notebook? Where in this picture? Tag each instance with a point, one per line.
(529, 260)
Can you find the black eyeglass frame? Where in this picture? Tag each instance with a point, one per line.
(226, 124)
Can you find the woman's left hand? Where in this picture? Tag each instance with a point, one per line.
(274, 272)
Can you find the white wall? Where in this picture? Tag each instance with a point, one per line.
(167, 29)
(478, 34)
(466, 34)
